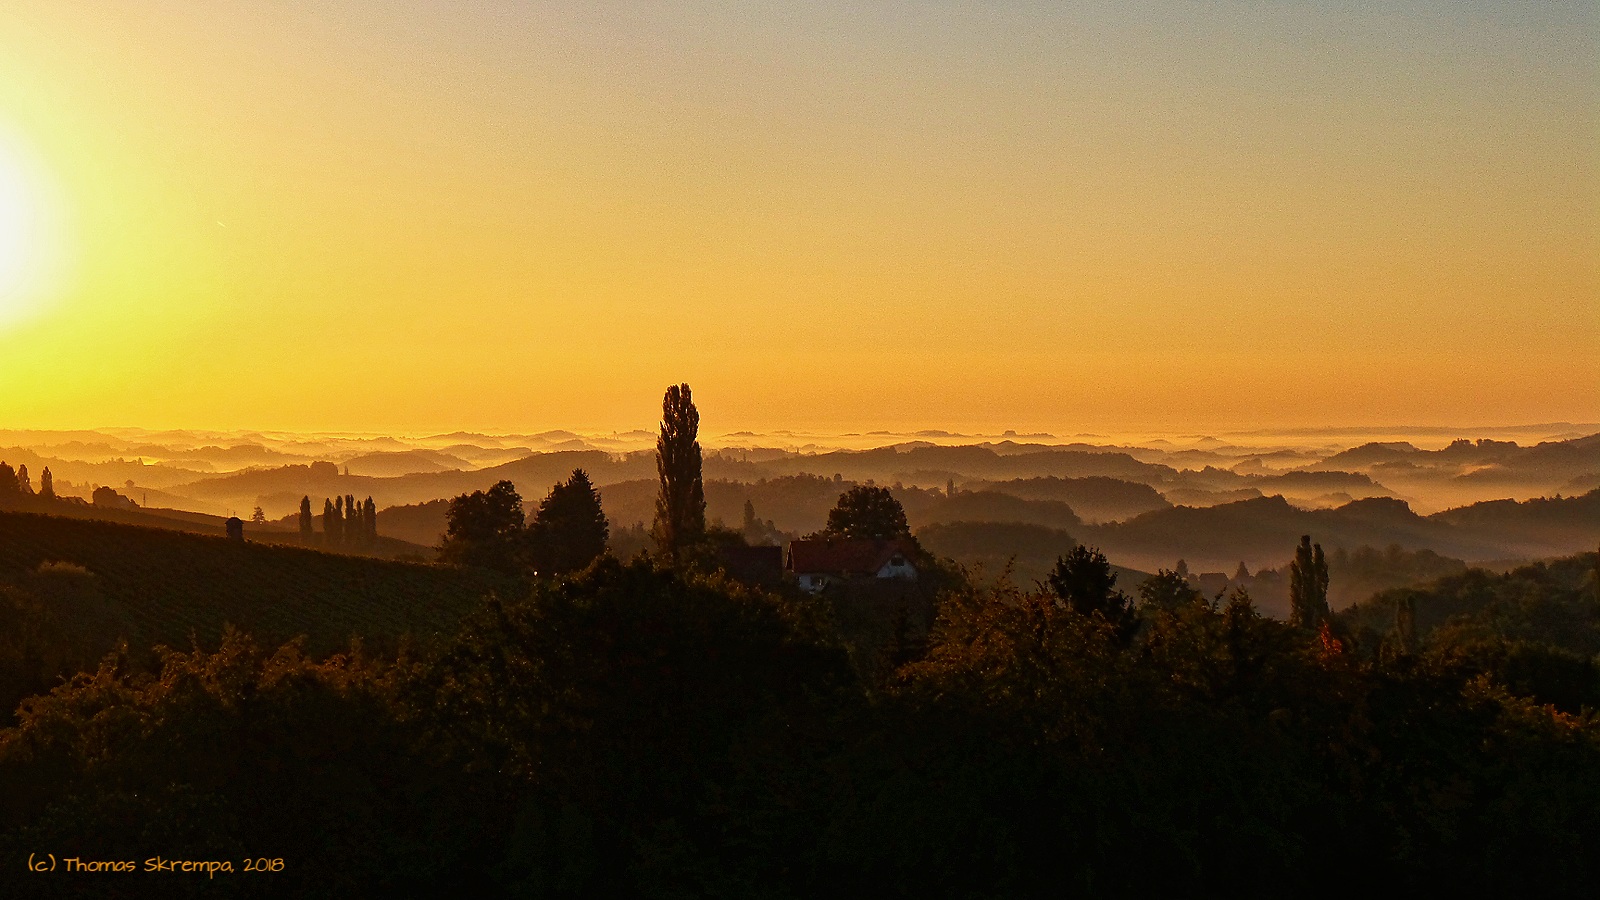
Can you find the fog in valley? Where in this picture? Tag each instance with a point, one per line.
(1229, 505)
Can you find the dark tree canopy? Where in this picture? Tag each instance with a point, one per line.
(867, 511)
(569, 530)
(484, 529)
(1308, 585)
(1084, 581)
(681, 505)
(305, 517)
(47, 484)
(1167, 590)
(107, 497)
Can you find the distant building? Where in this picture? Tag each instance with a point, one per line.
(816, 564)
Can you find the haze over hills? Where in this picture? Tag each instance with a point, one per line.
(1146, 499)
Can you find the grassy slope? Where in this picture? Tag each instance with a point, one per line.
(175, 585)
(286, 533)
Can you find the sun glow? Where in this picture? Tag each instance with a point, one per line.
(27, 247)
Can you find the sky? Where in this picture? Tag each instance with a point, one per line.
(418, 217)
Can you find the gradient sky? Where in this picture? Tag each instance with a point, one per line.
(512, 216)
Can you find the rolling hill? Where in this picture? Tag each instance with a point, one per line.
(174, 587)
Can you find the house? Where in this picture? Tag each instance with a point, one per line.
(817, 563)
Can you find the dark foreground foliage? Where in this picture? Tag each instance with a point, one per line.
(637, 732)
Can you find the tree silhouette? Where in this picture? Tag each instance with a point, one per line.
(867, 511)
(569, 530)
(681, 505)
(369, 517)
(1167, 590)
(23, 483)
(353, 527)
(1308, 585)
(258, 516)
(47, 484)
(305, 519)
(484, 528)
(1083, 580)
(8, 479)
(331, 524)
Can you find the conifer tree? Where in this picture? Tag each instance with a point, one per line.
(23, 483)
(369, 517)
(305, 520)
(1308, 585)
(1084, 581)
(258, 516)
(569, 530)
(47, 484)
(681, 505)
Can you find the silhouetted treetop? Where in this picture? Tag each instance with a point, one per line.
(1308, 585)
(569, 530)
(484, 528)
(681, 505)
(1167, 590)
(1083, 580)
(867, 511)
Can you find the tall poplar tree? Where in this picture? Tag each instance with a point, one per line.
(47, 484)
(681, 505)
(332, 522)
(305, 520)
(1308, 585)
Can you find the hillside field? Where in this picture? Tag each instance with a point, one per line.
(175, 587)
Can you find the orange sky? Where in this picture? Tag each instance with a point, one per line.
(429, 216)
